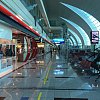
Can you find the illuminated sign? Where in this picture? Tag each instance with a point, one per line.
(94, 37)
(58, 41)
(40, 45)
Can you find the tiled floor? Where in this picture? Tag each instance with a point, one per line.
(48, 79)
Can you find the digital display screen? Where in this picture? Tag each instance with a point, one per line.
(58, 41)
(94, 37)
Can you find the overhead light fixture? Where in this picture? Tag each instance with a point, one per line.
(58, 39)
(20, 17)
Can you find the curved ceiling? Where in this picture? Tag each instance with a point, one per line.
(75, 43)
(55, 9)
(71, 34)
(71, 42)
(76, 36)
(93, 23)
(82, 33)
(75, 11)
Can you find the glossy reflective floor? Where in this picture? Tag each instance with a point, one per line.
(47, 78)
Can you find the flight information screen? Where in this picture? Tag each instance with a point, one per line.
(94, 37)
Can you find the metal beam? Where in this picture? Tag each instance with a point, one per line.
(74, 37)
(43, 12)
(29, 8)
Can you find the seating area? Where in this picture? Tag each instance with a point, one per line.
(87, 62)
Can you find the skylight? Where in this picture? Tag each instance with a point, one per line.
(71, 43)
(81, 31)
(93, 23)
(75, 44)
(76, 36)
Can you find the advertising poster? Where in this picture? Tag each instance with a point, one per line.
(95, 37)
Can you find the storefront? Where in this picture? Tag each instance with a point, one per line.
(40, 48)
(7, 50)
(15, 46)
(26, 46)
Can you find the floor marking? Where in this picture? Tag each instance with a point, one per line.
(39, 96)
(40, 83)
(46, 78)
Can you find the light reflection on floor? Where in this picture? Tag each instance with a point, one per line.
(61, 81)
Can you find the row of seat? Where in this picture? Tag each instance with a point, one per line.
(77, 60)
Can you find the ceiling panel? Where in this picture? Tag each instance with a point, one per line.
(55, 10)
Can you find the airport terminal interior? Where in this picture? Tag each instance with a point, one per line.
(49, 50)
